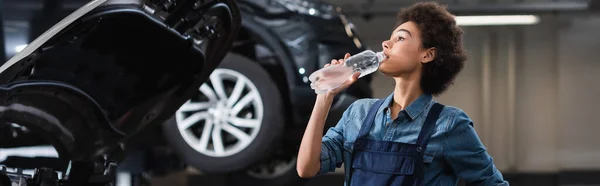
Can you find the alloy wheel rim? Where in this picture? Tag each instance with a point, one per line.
(226, 117)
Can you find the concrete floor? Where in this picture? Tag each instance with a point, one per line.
(337, 179)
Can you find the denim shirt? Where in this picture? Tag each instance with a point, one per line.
(454, 150)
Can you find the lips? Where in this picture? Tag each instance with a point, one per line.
(386, 56)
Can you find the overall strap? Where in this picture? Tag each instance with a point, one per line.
(368, 122)
(428, 127)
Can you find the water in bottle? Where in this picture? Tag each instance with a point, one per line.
(333, 76)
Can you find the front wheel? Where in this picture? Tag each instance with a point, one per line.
(233, 122)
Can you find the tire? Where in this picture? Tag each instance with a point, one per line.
(261, 135)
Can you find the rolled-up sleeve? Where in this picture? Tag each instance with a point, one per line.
(467, 156)
(333, 145)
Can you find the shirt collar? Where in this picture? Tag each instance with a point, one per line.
(414, 109)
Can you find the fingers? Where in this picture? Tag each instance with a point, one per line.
(352, 79)
(333, 62)
(355, 76)
(346, 84)
(339, 61)
(329, 64)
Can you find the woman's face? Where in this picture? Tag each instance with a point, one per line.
(404, 51)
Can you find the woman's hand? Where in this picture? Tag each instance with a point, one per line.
(347, 83)
(308, 162)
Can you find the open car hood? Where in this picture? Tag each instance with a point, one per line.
(112, 68)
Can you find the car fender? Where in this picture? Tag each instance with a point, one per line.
(272, 41)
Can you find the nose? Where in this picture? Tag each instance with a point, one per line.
(385, 45)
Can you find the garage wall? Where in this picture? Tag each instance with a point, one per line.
(531, 90)
(579, 89)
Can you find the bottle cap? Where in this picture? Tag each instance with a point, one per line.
(380, 56)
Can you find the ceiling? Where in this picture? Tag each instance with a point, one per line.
(466, 7)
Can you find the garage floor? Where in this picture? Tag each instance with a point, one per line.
(335, 179)
(191, 177)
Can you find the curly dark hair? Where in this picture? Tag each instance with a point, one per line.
(438, 29)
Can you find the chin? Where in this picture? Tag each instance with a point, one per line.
(387, 72)
(396, 68)
(393, 71)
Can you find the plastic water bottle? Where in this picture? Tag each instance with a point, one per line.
(333, 76)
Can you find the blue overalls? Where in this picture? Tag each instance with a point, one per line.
(377, 162)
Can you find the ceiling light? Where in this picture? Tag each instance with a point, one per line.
(497, 20)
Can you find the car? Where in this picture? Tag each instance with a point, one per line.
(258, 100)
(247, 120)
(102, 75)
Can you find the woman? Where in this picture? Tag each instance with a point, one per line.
(406, 138)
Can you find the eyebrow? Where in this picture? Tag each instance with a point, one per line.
(405, 31)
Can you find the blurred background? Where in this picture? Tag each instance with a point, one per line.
(530, 83)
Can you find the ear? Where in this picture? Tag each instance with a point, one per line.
(429, 55)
